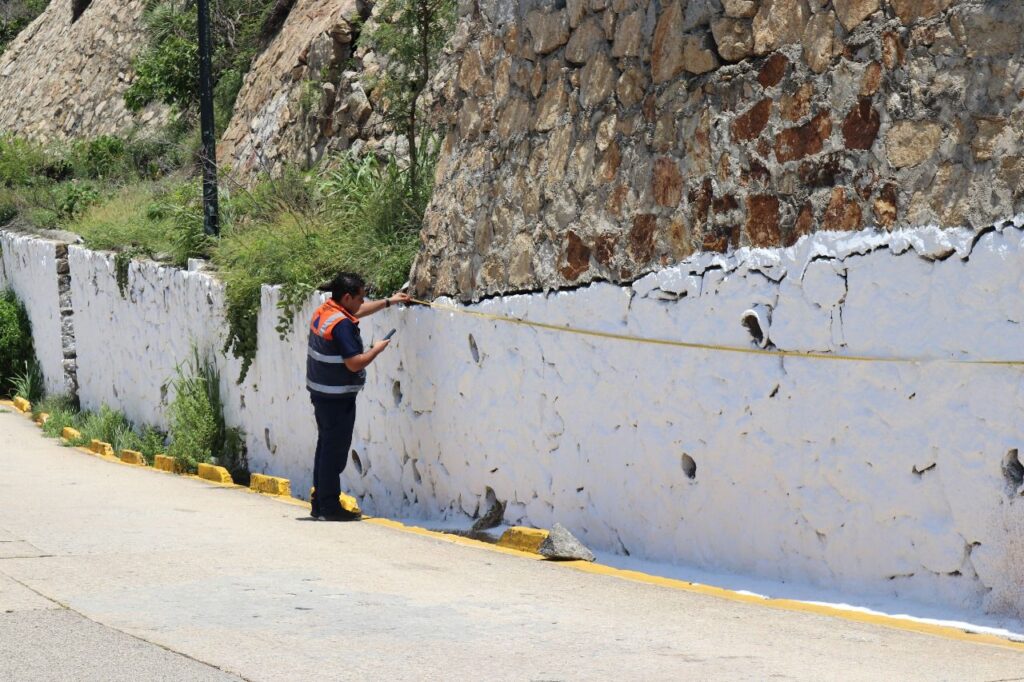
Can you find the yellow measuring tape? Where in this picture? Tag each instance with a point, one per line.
(710, 346)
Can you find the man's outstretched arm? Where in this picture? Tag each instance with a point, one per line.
(370, 307)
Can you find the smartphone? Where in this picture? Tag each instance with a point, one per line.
(390, 334)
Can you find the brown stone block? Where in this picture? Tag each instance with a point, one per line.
(641, 238)
(679, 239)
(604, 249)
(749, 125)
(804, 225)
(796, 143)
(763, 220)
(667, 182)
(548, 30)
(778, 23)
(597, 81)
(872, 79)
(577, 257)
(610, 163)
(852, 12)
(700, 203)
(860, 129)
(797, 105)
(885, 206)
(585, 41)
(913, 10)
(909, 143)
(773, 70)
(629, 35)
(843, 212)
(892, 50)
(667, 47)
(734, 38)
(819, 41)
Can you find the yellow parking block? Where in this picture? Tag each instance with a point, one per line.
(133, 457)
(68, 433)
(524, 539)
(101, 448)
(165, 463)
(271, 485)
(22, 405)
(214, 473)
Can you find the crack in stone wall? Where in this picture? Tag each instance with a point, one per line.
(596, 140)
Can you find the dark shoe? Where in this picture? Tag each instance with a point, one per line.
(339, 515)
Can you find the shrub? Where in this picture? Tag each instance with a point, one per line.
(29, 383)
(198, 429)
(15, 339)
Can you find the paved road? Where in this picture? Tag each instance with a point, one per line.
(109, 572)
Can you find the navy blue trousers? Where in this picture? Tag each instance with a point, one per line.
(335, 420)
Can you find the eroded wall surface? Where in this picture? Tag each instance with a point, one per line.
(603, 139)
(31, 268)
(897, 478)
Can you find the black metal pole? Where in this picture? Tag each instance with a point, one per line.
(210, 213)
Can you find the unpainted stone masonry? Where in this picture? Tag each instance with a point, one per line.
(62, 79)
(602, 139)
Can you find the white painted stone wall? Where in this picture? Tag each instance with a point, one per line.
(872, 477)
(30, 269)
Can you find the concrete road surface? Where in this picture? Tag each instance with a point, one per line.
(109, 572)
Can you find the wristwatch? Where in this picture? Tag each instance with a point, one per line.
(387, 302)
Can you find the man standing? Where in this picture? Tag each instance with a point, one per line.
(335, 372)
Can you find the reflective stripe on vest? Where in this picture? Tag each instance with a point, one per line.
(333, 390)
(330, 359)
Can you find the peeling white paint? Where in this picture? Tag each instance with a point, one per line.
(874, 478)
(29, 267)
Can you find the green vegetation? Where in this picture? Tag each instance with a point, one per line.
(16, 352)
(198, 430)
(409, 39)
(16, 15)
(166, 70)
(29, 383)
(107, 425)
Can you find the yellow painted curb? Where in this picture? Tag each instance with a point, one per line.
(524, 539)
(271, 485)
(133, 457)
(165, 463)
(68, 433)
(22, 405)
(214, 473)
(101, 448)
(347, 502)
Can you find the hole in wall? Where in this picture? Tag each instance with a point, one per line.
(1013, 471)
(756, 321)
(474, 351)
(77, 8)
(357, 463)
(689, 466)
(396, 392)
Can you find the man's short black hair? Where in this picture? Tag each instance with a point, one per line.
(344, 283)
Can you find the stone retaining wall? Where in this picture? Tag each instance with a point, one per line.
(602, 139)
(64, 80)
(899, 479)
